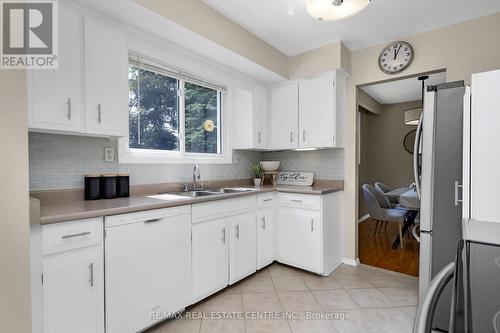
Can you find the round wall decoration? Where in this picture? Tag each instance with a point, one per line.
(396, 57)
(409, 141)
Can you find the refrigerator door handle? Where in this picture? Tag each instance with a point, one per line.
(427, 306)
(416, 149)
(457, 186)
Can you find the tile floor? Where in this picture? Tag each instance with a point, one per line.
(351, 299)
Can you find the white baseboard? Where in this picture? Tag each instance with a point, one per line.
(351, 262)
(363, 218)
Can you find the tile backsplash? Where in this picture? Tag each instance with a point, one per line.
(60, 161)
(325, 163)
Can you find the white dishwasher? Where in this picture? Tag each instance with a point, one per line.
(147, 267)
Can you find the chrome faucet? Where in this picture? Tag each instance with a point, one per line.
(196, 175)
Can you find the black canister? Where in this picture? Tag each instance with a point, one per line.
(108, 186)
(92, 184)
(122, 185)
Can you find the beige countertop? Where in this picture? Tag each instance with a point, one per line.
(61, 210)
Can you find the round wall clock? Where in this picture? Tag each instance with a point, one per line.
(395, 57)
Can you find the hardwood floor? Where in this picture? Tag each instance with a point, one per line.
(375, 248)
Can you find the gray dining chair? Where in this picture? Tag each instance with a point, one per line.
(380, 209)
(384, 189)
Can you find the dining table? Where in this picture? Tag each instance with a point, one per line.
(408, 199)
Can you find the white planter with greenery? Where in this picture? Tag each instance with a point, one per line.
(258, 173)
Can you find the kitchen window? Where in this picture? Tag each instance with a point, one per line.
(173, 114)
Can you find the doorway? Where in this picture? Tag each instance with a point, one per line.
(385, 171)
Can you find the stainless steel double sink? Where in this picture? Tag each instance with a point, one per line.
(212, 192)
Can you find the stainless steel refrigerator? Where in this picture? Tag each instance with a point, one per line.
(473, 275)
(438, 177)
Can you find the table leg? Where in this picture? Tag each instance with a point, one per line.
(409, 219)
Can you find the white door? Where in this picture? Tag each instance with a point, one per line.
(148, 270)
(73, 289)
(55, 97)
(210, 258)
(316, 112)
(106, 78)
(260, 116)
(242, 246)
(265, 237)
(299, 238)
(284, 116)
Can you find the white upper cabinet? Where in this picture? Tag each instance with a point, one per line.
(316, 112)
(55, 99)
(284, 116)
(309, 112)
(106, 78)
(250, 118)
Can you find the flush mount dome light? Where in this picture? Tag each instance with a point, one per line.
(325, 10)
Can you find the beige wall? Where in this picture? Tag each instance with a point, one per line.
(369, 103)
(454, 48)
(15, 313)
(205, 21)
(328, 57)
(383, 157)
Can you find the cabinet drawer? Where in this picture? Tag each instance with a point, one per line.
(60, 237)
(218, 209)
(121, 219)
(265, 199)
(307, 201)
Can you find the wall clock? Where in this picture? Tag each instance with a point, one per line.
(395, 57)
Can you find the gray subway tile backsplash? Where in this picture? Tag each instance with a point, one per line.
(60, 161)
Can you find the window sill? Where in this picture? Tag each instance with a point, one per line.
(127, 156)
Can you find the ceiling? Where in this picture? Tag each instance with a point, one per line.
(286, 25)
(404, 90)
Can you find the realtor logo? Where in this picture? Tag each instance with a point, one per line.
(29, 34)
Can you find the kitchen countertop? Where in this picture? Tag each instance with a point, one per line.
(62, 211)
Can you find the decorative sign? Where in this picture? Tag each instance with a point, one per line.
(295, 178)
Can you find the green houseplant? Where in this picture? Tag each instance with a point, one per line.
(257, 172)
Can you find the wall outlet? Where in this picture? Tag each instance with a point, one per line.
(109, 154)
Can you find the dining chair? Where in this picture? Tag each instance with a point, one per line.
(380, 209)
(384, 189)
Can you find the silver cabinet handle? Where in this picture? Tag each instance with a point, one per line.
(291, 136)
(295, 200)
(416, 148)
(259, 135)
(304, 135)
(267, 200)
(99, 112)
(224, 235)
(152, 221)
(427, 306)
(237, 231)
(91, 270)
(68, 114)
(264, 223)
(457, 186)
(80, 234)
(312, 225)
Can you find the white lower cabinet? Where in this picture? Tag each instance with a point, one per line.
(265, 229)
(309, 231)
(210, 258)
(148, 267)
(242, 246)
(73, 277)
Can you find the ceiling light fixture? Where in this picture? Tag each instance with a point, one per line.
(326, 10)
(412, 116)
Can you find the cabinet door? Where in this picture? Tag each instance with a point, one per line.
(316, 112)
(106, 78)
(284, 116)
(148, 270)
(260, 117)
(265, 237)
(243, 246)
(299, 238)
(210, 258)
(73, 291)
(55, 97)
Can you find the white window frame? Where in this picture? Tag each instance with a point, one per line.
(151, 156)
